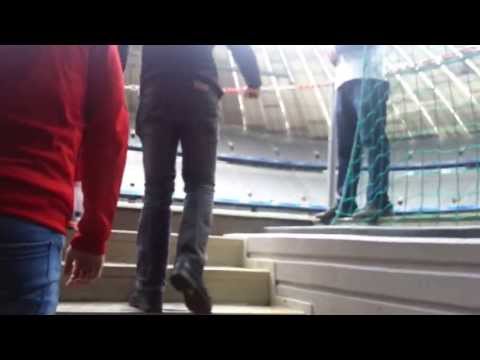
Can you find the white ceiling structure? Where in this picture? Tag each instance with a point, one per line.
(435, 90)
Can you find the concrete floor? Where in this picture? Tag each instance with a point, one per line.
(170, 309)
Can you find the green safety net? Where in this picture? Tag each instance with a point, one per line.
(416, 152)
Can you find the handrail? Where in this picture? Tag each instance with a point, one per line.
(255, 205)
(250, 205)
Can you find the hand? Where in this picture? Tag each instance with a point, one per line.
(82, 268)
(252, 93)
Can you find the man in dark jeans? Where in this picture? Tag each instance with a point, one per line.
(179, 99)
(360, 116)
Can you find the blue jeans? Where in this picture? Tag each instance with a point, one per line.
(30, 268)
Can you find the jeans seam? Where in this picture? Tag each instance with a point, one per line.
(41, 307)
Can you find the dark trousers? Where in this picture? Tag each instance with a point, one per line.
(360, 114)
(30, 268)
(170, 114)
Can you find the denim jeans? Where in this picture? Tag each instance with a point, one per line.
(169, 114)
(361, 115)
(30, 268)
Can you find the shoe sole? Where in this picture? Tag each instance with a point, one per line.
(329, 221)
(197, 302)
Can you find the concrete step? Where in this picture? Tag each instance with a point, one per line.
(422, 220)
(224, 221)
(407, 231)
(345, 274)
(226, 285)
(221, 251)
(76, 308)
(343, 248)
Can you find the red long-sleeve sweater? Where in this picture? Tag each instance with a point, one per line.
(52, 99)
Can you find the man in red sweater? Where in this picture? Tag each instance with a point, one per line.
(52, 99)
(78, 194)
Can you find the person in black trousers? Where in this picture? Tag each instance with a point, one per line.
(179, 97)
(362, 93)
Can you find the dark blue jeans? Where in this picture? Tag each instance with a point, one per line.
(361, 116)
(170, 114)
(30, 268)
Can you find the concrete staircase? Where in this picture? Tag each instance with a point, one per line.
(233, 288)
(261, 263)
(372, 270)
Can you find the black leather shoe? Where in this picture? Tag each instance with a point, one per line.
(151, 303)
(326, 218)
(372, 213)
(189, 282)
